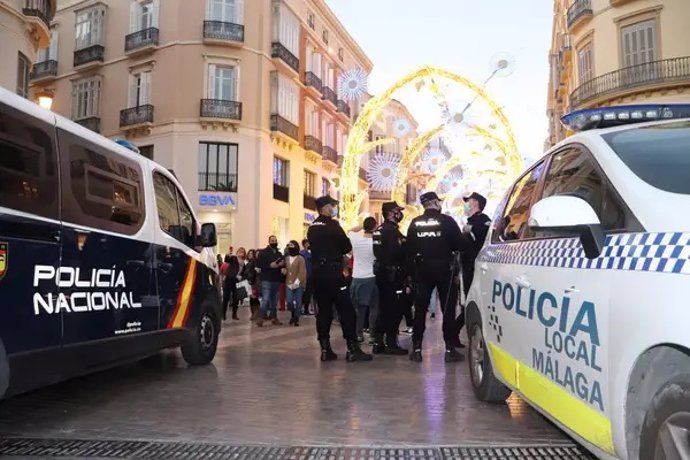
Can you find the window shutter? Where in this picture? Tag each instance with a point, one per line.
(133, 84)
(145, 88)
(233, 84)
(53, 48)
(627, 47)
(134, 13)
(156, 6)
(211, 92)
(239, 11)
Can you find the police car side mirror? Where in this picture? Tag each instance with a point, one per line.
(208, 237)
(563, 216)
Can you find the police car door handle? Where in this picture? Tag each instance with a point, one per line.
(523, 282)
(165, 267)
(484, 267)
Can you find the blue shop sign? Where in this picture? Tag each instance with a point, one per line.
(309, 217)
(216, 200)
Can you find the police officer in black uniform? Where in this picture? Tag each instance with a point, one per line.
(329, 244)
(389, 250)
(432, 239)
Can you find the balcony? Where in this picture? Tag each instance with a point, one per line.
(136, 116)
(664, 73)
(579, 12)
(281, 193)
(330, 154)
(343, 108)
(330, 96)
(45, 70)
(91, 54)
(312, 144)
(280, 124)
(141, 41)
(313, 81)
(278, 50)
(379, 195)
(40, 9)
(309, 202)
(223, 32)
(221, 109)
(92, 123)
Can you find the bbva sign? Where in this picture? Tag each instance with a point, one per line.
(216, 200)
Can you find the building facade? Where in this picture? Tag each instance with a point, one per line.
(238, 98)
(616, 52)
(24, 28)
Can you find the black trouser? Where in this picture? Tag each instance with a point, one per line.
(308, 292)
(331, 290)
(407, 301)
(230, 296)
(429, 276)
(390, 308)
(467, 277)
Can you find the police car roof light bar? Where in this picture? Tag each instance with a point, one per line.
(607, 117)
(128, 145)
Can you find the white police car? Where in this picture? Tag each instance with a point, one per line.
(581, 297)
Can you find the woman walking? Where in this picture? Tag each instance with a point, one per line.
(251, 274)
(295, 280)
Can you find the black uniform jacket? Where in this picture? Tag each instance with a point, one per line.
(328, 241)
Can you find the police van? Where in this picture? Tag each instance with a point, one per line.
(102, 259)
(580, 301)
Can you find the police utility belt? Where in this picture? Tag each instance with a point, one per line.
(327, 263)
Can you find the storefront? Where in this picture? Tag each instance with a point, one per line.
(219, 208)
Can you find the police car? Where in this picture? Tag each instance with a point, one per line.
(580, 301)
(102, 259)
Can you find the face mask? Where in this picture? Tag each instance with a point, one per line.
(398, 217)
(468, 209)
(293, 251)
(273, 245)
(334, 212)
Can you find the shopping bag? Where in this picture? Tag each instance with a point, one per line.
(243, 289)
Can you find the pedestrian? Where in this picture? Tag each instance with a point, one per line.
(230, 273)
(251, 275)
(389, 249)
(271, 263)
(295, 280)
(309, 288)
(328, 245)
(432, 240)
(238, 263)
(363, 289)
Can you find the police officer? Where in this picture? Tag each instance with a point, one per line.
(389, 251)
(329, 245)
(432, 239)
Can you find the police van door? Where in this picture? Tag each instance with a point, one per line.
(30, 234)
(107, 277)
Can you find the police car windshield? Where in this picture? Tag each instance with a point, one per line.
(659, 154)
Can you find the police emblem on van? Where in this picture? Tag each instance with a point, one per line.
(3, 259)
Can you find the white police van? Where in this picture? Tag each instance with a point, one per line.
(101, 257)
(581, 296)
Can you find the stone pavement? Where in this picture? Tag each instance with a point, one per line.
(268, 387)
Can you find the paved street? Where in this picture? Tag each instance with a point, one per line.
(268, 387)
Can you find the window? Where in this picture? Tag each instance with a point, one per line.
(315, 63)
(89, 27)
(281, 172)
(101, 189)
(146, 151)
(139, 89)
(512, 225)
(311, 21)
(325, 187)
(639, 43)
(285, 28)
(324, 36)
(309, 183)
(175, 216)
(284, 98)
(86, 96)
(49, 53)
(379, 148)
(218, 167)
(222, 82)
(28, 164)
(341, 54)
(231, 11)
(584, 63)
(23, 67)
(143, 15)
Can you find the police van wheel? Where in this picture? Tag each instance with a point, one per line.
(485, 385)
(201, 347)
(667, 422)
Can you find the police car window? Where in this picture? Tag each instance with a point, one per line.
(101, 188)
(173, 213)
(186, 221)
(659, 155)
(513, 223)
(28, 164)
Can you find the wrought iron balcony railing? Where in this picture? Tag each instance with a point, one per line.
(312, 144)
(92, 123)
(40, 9)
(88, 54)
(220, 108)
(578, 9)
(225, 31)
(309, 202)
(330, 154)
(281, 193)
(667, 71)
(141, 39)
(278, 50)
(44, 69)
(329, 95)
(282, 125)
(343, 107)
(136, 115)
(217, 182)
(311, 79)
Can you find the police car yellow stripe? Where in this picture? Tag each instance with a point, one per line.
(184, 298)
(566, 408)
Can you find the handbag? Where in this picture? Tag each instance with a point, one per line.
(243, 289)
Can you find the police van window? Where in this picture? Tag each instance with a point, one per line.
(512, 225)
(174, 215)
(101, 188)
(28, 164)
(573, 172)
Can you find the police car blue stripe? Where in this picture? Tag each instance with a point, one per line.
(650, 252)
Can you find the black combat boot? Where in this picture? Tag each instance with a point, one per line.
(379, 347)
(327, 353)
(452, 355)
(392, 346)
(354, 353)
(416, 353)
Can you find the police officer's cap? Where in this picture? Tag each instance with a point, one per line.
(324, 200)
(391, 206)
(428, 196)
(480, 199)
